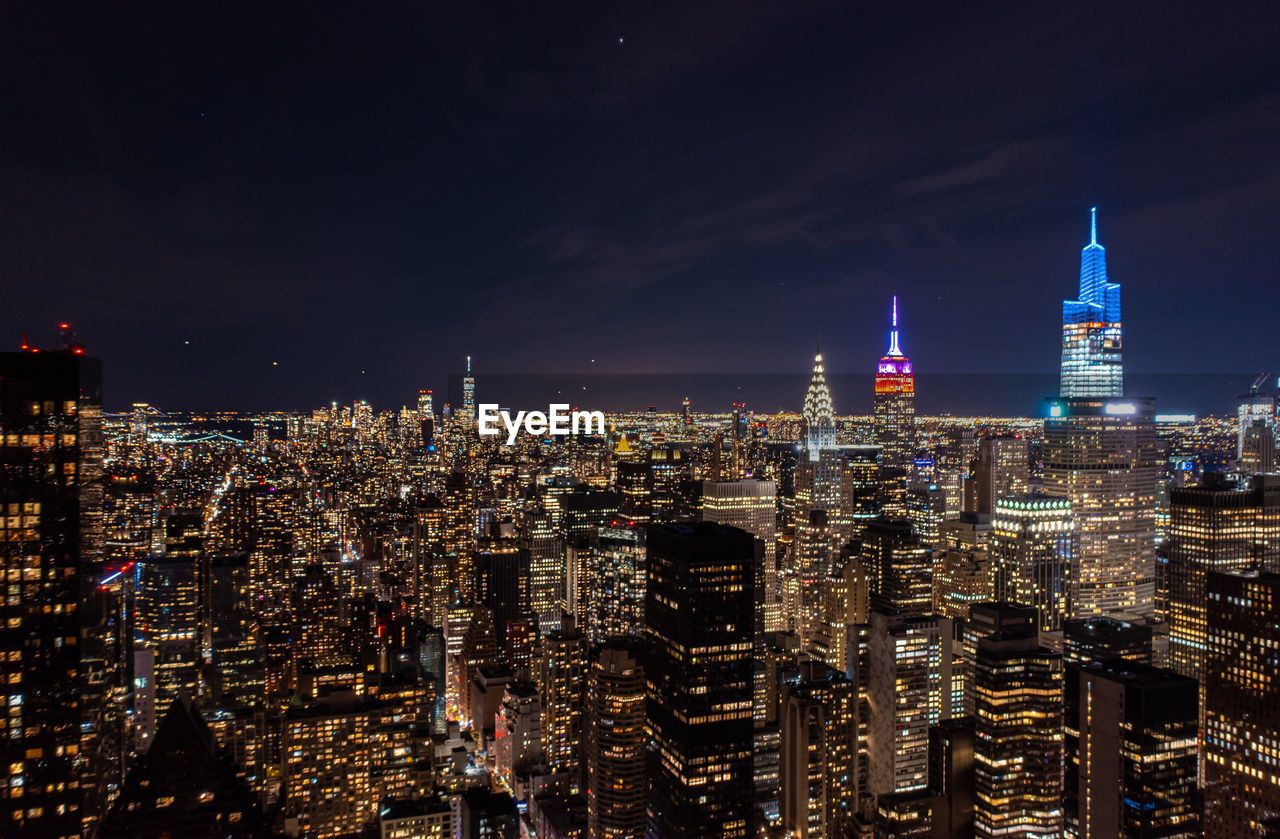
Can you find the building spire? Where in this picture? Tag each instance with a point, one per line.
(893, 333)
(1093, 225)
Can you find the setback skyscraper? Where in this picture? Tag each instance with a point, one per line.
(895, 403)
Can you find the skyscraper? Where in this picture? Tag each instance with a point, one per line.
(615, 599)
(895, 402)
(819, 751)
(1001, 469)
(1101, 452)
(1256, 407)
(562, 686)
(951, 777)
(1104, 637)
(906, 689)
(818, 475)
(700, 612)
(541, 541)
(1017, 736)
(1091, 345)
(1034, 542)
(1130, 751)
(467, 415)
(1241, 703)
(819, 414)
(898, 567)
(1219, 525)
(615, 743)
(1102, 455)
(50, 493)
(750, 505)
(169, 598)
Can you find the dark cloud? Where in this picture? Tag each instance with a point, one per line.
(389, 188)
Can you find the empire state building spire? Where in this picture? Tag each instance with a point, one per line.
(894, 349)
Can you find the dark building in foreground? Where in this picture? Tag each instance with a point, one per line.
(1103, 637)
(50, 514)
(951, 777)
(1130, 732)
(1241, 703)
(700, 616)
(185, 787)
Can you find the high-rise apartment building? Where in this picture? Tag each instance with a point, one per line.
(517, 732)
(1034, 545)
(344, 754)
(700, 615)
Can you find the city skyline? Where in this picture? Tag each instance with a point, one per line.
(685, 421)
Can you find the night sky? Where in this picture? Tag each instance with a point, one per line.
(363, 193)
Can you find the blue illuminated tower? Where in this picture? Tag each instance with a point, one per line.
(1101, 453)
(1091, 345)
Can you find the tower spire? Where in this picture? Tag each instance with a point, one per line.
(893, 333)
(1093, 225)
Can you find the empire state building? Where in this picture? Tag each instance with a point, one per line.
(895, 403)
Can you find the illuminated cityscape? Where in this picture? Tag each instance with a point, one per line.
(478, 422)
